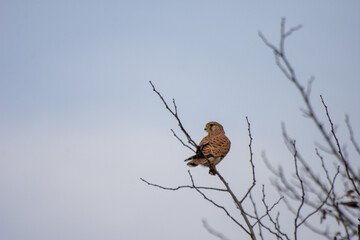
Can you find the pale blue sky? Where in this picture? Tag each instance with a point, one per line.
(79, 123)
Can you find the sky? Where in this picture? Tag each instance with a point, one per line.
(80, 124)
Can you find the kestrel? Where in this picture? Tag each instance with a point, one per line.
(212, 149)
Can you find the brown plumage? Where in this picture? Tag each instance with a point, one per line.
(212, 149)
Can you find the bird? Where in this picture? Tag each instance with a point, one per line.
(212, 148)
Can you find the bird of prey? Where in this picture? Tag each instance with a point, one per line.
(212, 149)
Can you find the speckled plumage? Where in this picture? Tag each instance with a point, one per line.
(212, 149)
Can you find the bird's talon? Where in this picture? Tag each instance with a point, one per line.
(212, 171)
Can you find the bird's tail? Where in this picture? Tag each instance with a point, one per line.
(195, 160)
(190, 158)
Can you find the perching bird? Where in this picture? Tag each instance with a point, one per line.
(212, 149)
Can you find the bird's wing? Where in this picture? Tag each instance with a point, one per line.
(218, 146)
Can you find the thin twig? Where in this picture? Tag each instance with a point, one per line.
(251, 162)
(352, 138)
(268, 209)
(175, 114)
(344, 161)
(323, 165)
(307, 167)
(180, 187)
(296, 225)
(311, 227)
(323, 202)
(256, 216)
(185, 145)
(276, 226)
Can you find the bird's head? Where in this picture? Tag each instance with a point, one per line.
(213, 127)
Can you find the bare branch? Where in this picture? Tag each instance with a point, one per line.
(279, 53)
(251, 162)
(267, 207)
(323, 202)
(308, 89)
(352, 138)
(344, 161)
(285, 66)
(306, 166)
(256, 217)
(276, 226)
(180, 187)
(323, 165)
(185, 145)
(313, 182)
(175, 114)
(267, 43)
(290, 31)
(311, 227)
(296, 225)
(260, 224)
